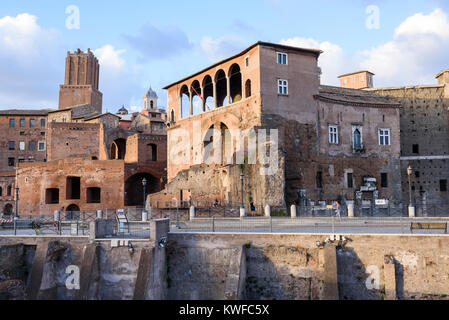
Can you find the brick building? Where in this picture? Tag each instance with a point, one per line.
(333, 142)
(77, 158)
(424, 127)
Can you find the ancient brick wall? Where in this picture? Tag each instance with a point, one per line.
(35, 179)
(424, 141)
(73, 140)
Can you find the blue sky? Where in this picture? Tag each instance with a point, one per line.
(158, 42)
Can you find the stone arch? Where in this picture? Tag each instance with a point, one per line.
(73, 212)
(197, 102)
(235, 83)
(208, 92)
(134, 188)
(118, 149)
(184, 97)
(221, 84)
(209, 151)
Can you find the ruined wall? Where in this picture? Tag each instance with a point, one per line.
(293, 267)
(425, 125)
(7, 201)
(73, 140)
(35, 179)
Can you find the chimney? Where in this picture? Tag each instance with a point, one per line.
(357, 80)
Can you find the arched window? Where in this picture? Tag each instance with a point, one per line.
(185, 102)
(235, 80)
(221, 88)
(9, 191)
(172, 116)
(151, 104)
(357, 139)
(248, 88)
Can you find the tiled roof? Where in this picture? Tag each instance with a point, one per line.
(20, 112)
(355, 97)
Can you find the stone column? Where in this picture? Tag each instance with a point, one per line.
(191, 102)
(215, 94)
(228, 89)
(242, 212)
(203, 103)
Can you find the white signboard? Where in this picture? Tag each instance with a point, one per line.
(381, 202)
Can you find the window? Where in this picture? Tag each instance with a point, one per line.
(42, 133)
(42, 122)
(247, 62)
(31, 146)
(282, 58)
(9, 191)
(21, 159)
(1, 192)
(319, 180)
(41, 146)
(350, 180)
(443, 185)
(12, 123)
(282, 87)
(93, 195)
(333, 134)
(384, 180)
(384, 137)
(415, 148)
(22, 145)
(153, 151)
(73, 188)
(22, 123)
(357, 138)
(11, 145)
(52, 196)
(417, 174)
(11, 162)
(32, 123)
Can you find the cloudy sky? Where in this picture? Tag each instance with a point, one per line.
(144, 42)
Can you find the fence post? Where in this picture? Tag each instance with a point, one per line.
(271, 224)
(99, 214)
(213, 224)
(60, 227)
(56, 216)
(192, 213)
(293, 211)
(333, 224)
(267, 211)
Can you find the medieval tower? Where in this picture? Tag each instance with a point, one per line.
(81, 81)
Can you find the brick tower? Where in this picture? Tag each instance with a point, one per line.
(82, 72)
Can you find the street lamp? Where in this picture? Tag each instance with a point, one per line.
(411, 207)
(241, 179)
(144, 183)
(16, 215)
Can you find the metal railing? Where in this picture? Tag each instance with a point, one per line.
(315, 225)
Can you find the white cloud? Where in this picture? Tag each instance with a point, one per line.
(29, 76)
(119, 82)
(418, 51)
(218, 49)
(109, 57)
(331, 61)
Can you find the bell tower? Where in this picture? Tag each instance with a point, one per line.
(82, 73)
(150, 100)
